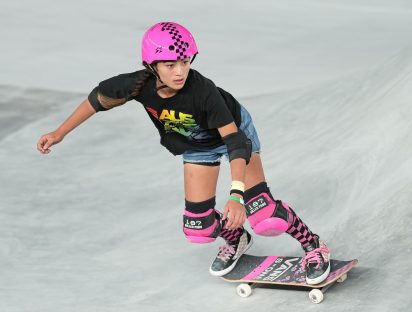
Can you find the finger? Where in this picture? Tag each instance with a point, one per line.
(48, 144)
(39, 148)
(43, 151)
(238, 221)
(232, 218)
(229, 226)
(235, 222)
(40, 144)
(244, 218)
(229, 222)
(225, 212)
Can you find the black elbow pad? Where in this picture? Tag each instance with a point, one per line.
(238, 146)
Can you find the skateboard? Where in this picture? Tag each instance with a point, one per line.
(283, 272)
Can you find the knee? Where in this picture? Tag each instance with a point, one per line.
(201, 223)
(267, 217)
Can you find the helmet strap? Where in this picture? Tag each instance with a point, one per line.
(161, 87)
(194, 56)
(152, 69)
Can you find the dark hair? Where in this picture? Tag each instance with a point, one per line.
(140, 84)
(110, 102)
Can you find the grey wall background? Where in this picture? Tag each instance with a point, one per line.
(96, 224)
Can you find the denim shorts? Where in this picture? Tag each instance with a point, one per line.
(214, 155)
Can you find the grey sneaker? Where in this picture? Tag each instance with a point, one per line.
(229, 254)
(316, 262)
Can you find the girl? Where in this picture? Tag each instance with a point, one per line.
(202, 123)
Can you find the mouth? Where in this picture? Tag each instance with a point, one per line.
(179, 81)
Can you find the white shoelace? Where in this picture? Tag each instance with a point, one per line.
(315, 256)
(225, 252)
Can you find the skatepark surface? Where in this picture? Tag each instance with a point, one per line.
(96, 225)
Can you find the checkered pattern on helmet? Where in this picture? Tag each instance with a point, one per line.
(180, 46)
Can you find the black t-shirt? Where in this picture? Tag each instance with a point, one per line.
(186, 121)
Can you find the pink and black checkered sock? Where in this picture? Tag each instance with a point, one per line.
(230, 236)
(298, 229)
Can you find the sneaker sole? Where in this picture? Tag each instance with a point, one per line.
(319, 279)
(231, 267)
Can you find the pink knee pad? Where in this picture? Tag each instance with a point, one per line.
(266, 216)
(201, 228)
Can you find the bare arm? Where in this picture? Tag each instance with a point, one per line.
(237, 166)
(234, 211)
(82, 113)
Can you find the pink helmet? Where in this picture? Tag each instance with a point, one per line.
(167, 41)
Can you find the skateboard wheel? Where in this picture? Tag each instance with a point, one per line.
(342, 278)
(244, 290)
(315, 296)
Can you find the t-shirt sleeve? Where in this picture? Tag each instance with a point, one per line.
(113, 92)
(217, 112)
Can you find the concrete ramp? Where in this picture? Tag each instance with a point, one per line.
(96, 224)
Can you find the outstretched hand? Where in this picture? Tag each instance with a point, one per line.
(235, 213)
(48, 140)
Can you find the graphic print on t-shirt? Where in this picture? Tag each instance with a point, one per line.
(182, 123)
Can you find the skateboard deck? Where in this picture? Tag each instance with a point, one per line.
(254, 271)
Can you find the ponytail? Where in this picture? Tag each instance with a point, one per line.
(110, 102)
(140, 84)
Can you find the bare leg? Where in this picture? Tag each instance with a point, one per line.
(254, 172)
(200, 182)
(200, 192)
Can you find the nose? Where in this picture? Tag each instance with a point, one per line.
(179, 69)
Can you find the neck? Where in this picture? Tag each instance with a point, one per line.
(163, 90)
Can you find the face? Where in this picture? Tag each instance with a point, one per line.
(174, 73)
